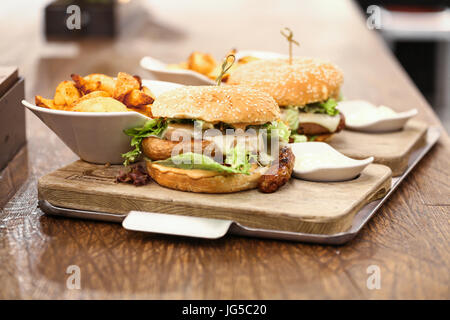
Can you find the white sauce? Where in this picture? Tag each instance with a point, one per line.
(326, 121)
(358, 113)
(306, 161)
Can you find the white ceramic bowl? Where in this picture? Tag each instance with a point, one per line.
(389, 123)
(188, 77)
(324, 163)
(96, 137)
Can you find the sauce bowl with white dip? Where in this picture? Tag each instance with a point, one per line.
(318, 161)
(363, 116)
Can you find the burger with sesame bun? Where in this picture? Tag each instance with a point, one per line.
(214, 139)
(306, 89)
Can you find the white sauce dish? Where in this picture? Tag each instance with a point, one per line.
(188, 77)
(96, 137)
(318, 161)
(363, 116)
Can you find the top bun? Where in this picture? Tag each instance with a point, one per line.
(304, 81)
(228, 104)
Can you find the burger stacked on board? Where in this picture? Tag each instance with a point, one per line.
(306, 89)
(215, 139)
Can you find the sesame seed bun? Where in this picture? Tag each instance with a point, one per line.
(204, 181)
(304, 81)
(228, 104)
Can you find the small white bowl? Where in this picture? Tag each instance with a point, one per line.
(388, 123)
(96, 137)
(188, 77)
(324, 163)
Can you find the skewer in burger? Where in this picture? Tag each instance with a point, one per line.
(214, 139)
(306, 89)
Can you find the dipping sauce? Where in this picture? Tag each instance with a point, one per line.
(306, 161)
(358, 113)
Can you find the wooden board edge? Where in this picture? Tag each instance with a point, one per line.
(79, 199)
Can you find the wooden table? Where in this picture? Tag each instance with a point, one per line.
(407, 239)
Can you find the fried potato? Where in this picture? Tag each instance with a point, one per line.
(45, 103)
(247, 59)
(201, 62)
(94, 82)
(100, 104)
(66, 94)
(178, 66)
(125, 83)
(217, 70)
(144, 109)
(148, 92)
(93, 94)
(137, 98)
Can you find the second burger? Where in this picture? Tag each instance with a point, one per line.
(306, 89)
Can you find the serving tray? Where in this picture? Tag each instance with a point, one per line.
(393, 149)
(58, 197)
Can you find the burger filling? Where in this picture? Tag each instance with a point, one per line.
(307, 122)
(196, 144)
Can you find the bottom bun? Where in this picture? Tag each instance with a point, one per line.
(204, 181)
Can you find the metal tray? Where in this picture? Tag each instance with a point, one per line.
(215, 228)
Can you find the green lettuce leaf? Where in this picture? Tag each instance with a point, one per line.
(299, 138)
(291, 116)
(153, 127)
(281, 129)
(327, 107)
(238, 162)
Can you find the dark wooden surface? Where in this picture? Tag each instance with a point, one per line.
(407, 239)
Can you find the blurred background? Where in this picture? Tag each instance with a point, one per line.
(116, 34)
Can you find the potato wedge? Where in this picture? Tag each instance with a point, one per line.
(66, 94)
(125, 83)
(136, 98)
(178, 66)
(91, 95)
(44, 103)
(100, 104)
(201, 62)
(94, 82)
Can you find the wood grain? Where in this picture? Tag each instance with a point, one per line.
(391, 148)
(300, 206)
(408, 238)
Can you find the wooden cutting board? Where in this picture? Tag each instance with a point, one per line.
(391, 149)
(299, 206)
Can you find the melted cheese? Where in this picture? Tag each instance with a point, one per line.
(329, 122)
(181, 129)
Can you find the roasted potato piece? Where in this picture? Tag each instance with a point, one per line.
(94, 82)
(66, 94)
(201, 62)
(125, 83)
(100, 104)
(44, 103)
(144, 109)
(178, 66)
(148, 92)
(93, 94)
(247, 59)
(137, 98)
(217, 70)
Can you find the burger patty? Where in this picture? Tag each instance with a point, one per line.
(161, 149)
(316, 129)
(279, 173)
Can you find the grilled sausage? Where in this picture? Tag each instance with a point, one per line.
(279, 173)
(161, 149)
